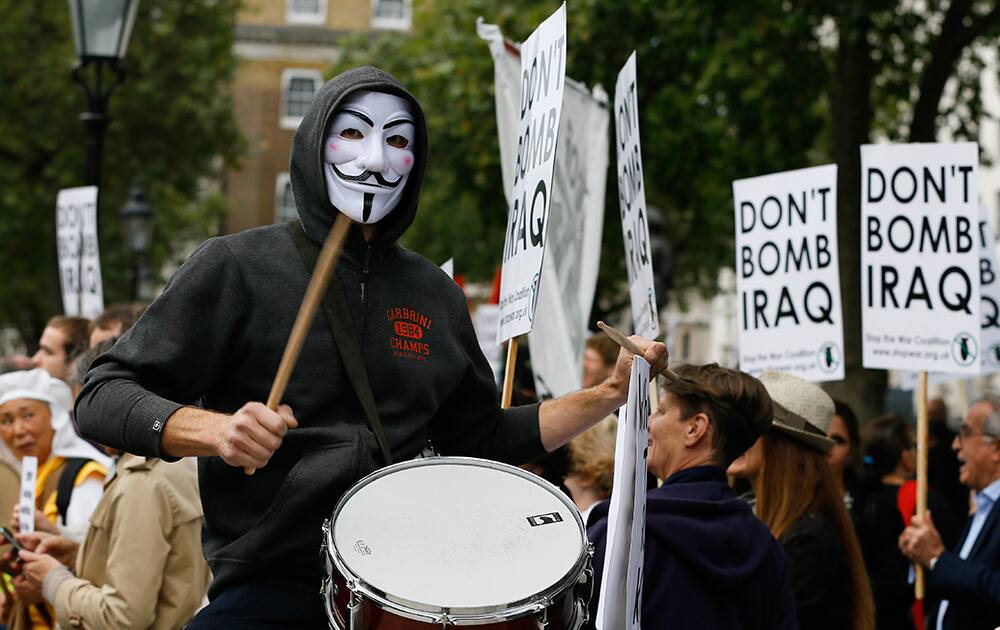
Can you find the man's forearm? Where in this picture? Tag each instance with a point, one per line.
(561, 419)
(191, 432)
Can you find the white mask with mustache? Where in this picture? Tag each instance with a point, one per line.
(368, 154)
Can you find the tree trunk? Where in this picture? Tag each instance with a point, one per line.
(850, 103)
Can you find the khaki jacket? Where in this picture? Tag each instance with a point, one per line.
(141, 564)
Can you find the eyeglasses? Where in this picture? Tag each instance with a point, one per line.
(965, 432)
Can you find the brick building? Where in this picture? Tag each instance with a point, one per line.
(284, 48)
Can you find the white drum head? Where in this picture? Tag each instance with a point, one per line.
(458, 533)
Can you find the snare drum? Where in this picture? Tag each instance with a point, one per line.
(456, 541)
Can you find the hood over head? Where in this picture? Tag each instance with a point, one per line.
(312, 201)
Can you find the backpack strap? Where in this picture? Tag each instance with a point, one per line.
(67, 481)
(338, 320)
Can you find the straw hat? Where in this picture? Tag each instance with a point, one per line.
(801, 409)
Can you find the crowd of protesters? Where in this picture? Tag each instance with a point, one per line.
(840, 499)
(823, 533)
(116, 541)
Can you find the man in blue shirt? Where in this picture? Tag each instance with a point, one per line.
(966, 580)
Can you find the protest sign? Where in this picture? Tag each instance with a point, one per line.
(919, 257)
(543, 71)
(989, 290)
(573, 246)
(788, 279)
(26, 499)
(620, 603)
(632, 202)
(79, 258)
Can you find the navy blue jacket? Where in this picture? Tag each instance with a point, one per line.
(972, 586)
(709, 562)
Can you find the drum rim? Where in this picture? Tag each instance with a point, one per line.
(419, 611)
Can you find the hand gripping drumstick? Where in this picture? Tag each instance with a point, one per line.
(325, 265)
(618, 337)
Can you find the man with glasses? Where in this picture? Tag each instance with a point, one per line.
(967, 579)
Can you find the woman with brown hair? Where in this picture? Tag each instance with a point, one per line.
(799, 501)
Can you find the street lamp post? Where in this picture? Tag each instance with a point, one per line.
(101, 30)
(137, 219)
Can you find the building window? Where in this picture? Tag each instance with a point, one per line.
(392, 14)
(306, 11)
(284, 201)
(297, 90)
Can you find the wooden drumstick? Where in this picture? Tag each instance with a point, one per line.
(325, 265)
(618, 337)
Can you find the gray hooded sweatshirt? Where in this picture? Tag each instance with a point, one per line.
(215, 336)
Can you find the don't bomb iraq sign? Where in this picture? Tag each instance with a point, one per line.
(920, 257)
(787, 281)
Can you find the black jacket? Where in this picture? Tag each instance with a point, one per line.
(888, 569)
(709, 563)
(216, 335)
(971, 586)
(820, 576)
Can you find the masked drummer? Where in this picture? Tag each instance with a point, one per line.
(190, 377)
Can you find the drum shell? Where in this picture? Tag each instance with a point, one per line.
(560, 614)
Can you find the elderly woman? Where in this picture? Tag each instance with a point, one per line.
(799, 501)
(34, 421)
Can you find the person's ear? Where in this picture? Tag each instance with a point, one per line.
(697, 428)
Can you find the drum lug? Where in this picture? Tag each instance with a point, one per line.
(542, 620)
(355, 612)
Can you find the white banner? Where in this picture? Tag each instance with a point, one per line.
(632, 200)
(543, 72)
(448, 267)
(569, 269)
(787, 274)
(920, 257)
(79, 258)
(484, 320)
(26, 500)
(619, 606)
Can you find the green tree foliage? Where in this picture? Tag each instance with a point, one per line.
(172, 125)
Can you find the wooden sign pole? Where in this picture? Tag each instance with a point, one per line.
(508, 373)
(325, 265)
(921, 468)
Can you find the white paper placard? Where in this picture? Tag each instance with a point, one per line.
(573, 246)
(919, 257)
(787, 274)
(989, 291)
(79, 258)
(632, 202)
(620, 605)
(543, 73)
(26, 500)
